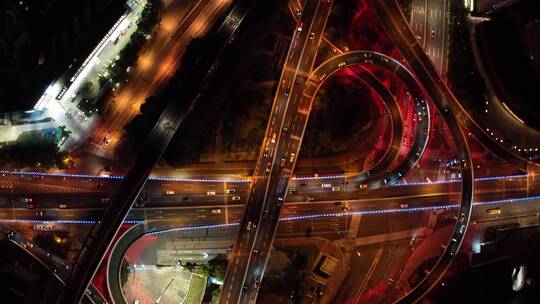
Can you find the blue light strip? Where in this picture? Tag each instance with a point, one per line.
(194, 228)
(450, 181)
(319, 177)
(77, 222)
(118, 177)
(210, 180)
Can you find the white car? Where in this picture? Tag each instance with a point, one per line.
(236, 198)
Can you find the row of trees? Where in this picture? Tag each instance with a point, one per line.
(40, 154)
(462, 73)
(129, 54)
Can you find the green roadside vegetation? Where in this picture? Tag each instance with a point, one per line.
(406, 7)
(342, 115)
(197, 285)
(224, 98)
(95, 93)
(463, 76)
(124, 272)
(129, 54)
(286, 276)
(87, 107)
(337, 28)
(56, 242)
(215, 270)
(36, 150)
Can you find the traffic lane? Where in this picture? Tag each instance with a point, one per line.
(194, 216)
(265, 229)
(287, 78)
(269, 225)
(374, 224)
(418, 19)
(323, 189)
(436, 25)
(314, 192)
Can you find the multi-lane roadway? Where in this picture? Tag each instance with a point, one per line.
(277, 159)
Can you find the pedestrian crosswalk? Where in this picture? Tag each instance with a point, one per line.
(20, 187)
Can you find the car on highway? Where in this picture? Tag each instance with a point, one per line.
(266, 211)
(404, 205)
(273, 140)
(286, 92)
(211, 193)
(311, 36)
(291, 157)
(43, 227)
(230, 191)
(494, 211)
(250, 225)
(413, 239)
(279, 201)
(303, 183)
(236, 198)
(62, 206)
(268, 166)
(105, 200)
(341, 64)
(345, 209)
(40, 213)
(169, 192)
(335, 188)
(282, 162)
(363, 186)
(432, 33)
(27, 200)
(216, 210)
(326, 185)
(298, 12)
(292, 190)
(310, 198)
(300, 26)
